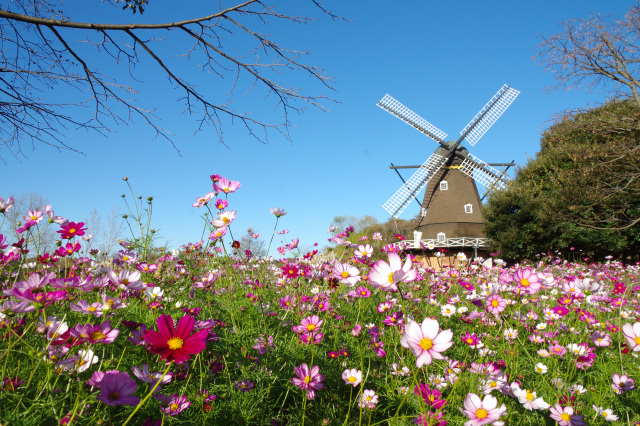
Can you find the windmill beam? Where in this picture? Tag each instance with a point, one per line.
(488, 164)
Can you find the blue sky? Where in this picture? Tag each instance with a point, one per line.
(444, 60)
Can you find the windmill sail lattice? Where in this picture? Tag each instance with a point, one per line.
(474, 167)
(504, 97)
(403, 196)
(405, 114)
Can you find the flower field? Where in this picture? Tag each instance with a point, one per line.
(215, 335)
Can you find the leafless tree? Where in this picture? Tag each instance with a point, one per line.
(14, 218)
(111, 233)
(595, 51)
(50, 79)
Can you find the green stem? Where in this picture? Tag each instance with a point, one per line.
(141, 404)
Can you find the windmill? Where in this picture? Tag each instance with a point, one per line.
(450, 214)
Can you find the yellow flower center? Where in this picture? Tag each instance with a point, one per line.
(92, 309)
(493, 384)
(34, 217)
(352, 379)
(391, 278)
(175, 343)
(637, 340)
(225, 219)
(311, 327)
(566, 417)
(482, 413)
(307, 379)
(174, 407)
(72, 231)
(524, 282)
(529, 395)
(345, 274)
(96, 335)
(364, 253)
(495, 303)
(426, 344)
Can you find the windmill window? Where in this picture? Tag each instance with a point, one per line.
(442, 237)
(444, 185)
(468, 208)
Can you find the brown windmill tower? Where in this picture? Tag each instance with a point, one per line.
(450, 213)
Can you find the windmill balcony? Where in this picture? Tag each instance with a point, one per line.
(460, 242)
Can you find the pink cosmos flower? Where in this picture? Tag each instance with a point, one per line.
(218, 233)
(527, 280)
(352, 377)
(201, 201)
(346, 273)
(482, 412)
(386, 276)
(176, 344)
(148, 377)
(622, 383)
(90, 333)
(6, 205)
(363, 251)
(368, 399)
(224, 219)
(116, 389)
(71, 229)
(425, 341)
(308, 379)
(600, 338)
(126, 280)
(173, 404)
(565, 417)
(277, 212)
(431, 396)
(310, 324)
(34, 215)
(225, 185)
(632, 334)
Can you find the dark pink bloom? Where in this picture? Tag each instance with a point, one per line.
(72, 229)
(308, 379)
(175, 344)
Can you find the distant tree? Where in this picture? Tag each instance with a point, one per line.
(359, 223)
(51, 69)
(250, 241)
(44, 234)
(111, 233)
(599, 50)
(582, 190)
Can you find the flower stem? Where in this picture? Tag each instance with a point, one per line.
(141, 404)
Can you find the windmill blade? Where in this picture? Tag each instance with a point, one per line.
(483, 173)
(488, 115)
(394, 107)
(401, 199)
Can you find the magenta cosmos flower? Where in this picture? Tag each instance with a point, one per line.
(425, 341)
(386, 276)
(71, 230)
(175, 344)
(632, 334)
(482, 412)
(309, 380)
(116, 389)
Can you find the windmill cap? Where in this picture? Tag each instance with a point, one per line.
(450, 144)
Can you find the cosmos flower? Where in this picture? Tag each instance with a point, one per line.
(175, 344)
(116, 389)
(346, 273)
(71, 229)
(565, 416)
(352, 377)
(225, 185)
(606, 414)
(632, 334)
(6, 205)
(368, 399)
(386, 276)
(224, 219)
(529, 400)
(278, 212)
(482, 412)
(527, 280)
(308, 379)
(425, 341)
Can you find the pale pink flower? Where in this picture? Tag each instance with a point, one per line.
(224, 219)
(352, 377)
(529, 400)
(622, 383)
(425, 341)
(278, 212)
(126, 280)
(386, 276)
(6, 205)
(527, 280)
(368, 399)
(482, 412)
(632, 334)
(363, 251)
(346, 274)
(600, 338)
(201, 201)
(565, 417)
(225, 185)
(495, 304)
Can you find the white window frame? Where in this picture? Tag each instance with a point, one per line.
(468, 208)
(441, 237)
(444, 185)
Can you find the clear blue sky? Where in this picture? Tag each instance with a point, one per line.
(444, 60)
